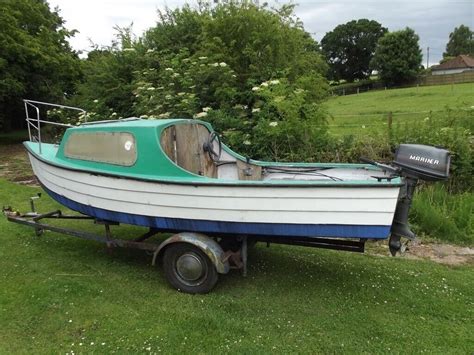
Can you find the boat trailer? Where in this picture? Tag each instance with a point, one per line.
(191, 261)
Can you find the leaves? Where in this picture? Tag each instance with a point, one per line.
(36, 61)
(460, 42)
(398, 57)
(350, 47)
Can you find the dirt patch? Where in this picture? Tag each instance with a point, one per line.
(441, 253)
(15, 165)
(446, 254)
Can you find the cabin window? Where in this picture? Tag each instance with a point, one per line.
(118, 148)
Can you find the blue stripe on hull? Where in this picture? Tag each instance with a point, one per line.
(206, 226)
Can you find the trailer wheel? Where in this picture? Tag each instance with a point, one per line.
(188, 269)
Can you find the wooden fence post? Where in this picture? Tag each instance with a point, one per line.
(389, 125)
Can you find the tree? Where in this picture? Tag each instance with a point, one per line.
(350, 47)
(398, 57)
(231, 63)
(460, 42)
(36, 60)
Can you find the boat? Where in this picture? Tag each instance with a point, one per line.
(176, 175)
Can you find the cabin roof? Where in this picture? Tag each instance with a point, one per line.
(133, 122)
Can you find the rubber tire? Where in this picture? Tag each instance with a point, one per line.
(171, 255)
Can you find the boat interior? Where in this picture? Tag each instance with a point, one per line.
(197, 150)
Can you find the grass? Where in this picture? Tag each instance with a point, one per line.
(61, 294)
(350, 113)
(448, 217)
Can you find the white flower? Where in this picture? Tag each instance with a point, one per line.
(202, 58)
(273, 124)
(169, 69)
(205, 109)
(151, 88)
(274, 82)
(215, 64)
(164, 115)
(129, 49)
(192, 87)
(144, 116)
(167, 97)
(363, 126)
(426, 119)
(160, 87)
(200, 114)
(234, 76)
(255, 88)
(255, 110)
(114, 113)
(175, 75)
(181, 93)
(264, 84)
(150, 50)
(171, 84)
(222, 64)
(247, 142)
(96, 101)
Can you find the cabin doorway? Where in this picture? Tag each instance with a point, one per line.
(183, 144)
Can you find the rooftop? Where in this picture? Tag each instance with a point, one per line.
(460, 62)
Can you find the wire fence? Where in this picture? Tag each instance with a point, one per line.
(360, 124)
(427, 80)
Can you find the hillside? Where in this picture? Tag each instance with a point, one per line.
(350, 113)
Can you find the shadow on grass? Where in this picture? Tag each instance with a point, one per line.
(283, 267)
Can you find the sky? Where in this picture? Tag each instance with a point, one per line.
(432, 20)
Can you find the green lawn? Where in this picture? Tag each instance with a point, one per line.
(59, 294)
(350, 113)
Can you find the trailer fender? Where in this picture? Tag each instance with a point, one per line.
(208, 245)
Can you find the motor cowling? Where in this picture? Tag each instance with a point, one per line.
(422, 162)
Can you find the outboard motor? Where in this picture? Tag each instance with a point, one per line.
(414, 162)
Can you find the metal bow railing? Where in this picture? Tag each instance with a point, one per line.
(34, 123)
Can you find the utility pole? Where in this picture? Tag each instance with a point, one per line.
(427, 57)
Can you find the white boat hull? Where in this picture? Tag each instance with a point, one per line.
(313, 211)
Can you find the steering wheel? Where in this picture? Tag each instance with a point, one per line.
(209, 147)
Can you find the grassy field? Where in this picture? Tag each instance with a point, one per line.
(61, 295)
(357, 114)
